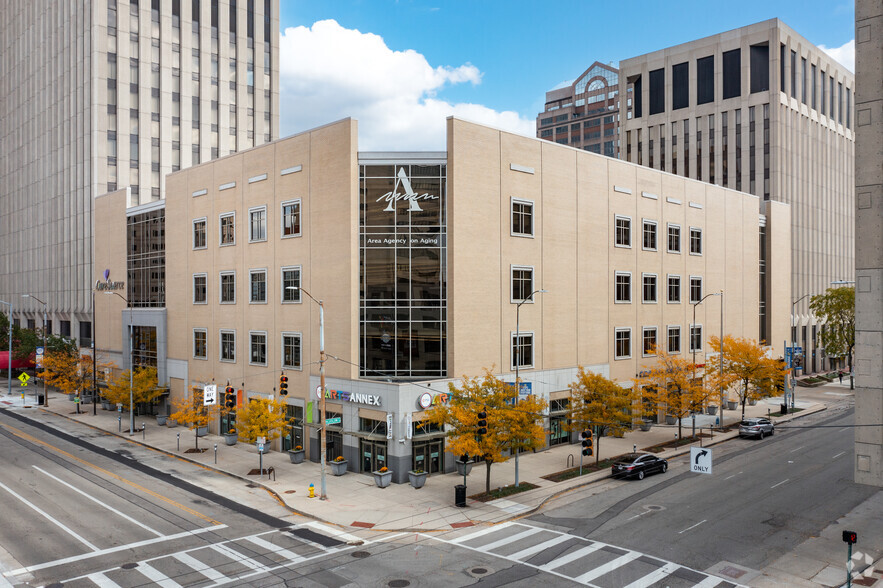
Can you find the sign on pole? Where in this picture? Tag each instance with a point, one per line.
(389, 425)
(332, 421)
(700, 460)
(210, 395)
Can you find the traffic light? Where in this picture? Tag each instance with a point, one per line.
(482, 422)
(850, 537)
(586, 436)
(283, 385)
(230, 397)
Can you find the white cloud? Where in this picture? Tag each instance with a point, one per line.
(845, 54)
(328, 72)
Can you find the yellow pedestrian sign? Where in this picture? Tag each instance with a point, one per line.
(24, 379)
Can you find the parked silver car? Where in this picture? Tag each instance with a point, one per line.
(756, 428)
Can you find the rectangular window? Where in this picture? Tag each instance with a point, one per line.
(623, 343)
(840, 102)
(695, 289)
(257, 224)
(649, 235)
(794, 74)
(657, 91)
(200, 294)
(782, 67)
(822, 87)
(848, 108)
(695, 338)
(228, 346)
(831, 98)
(522, 283)
(760, 68)
(258, 348)
(674, 289)
(522, 350)
(623, 231)
(680, 85)
(705, 80)
(227, 228)
(522, 218)
(674, 238)
(649, 288)
(291, 284)
(200, 344)
(815, 83)
(732, 61)
(228, 288)
(291, 218)
(674, 339)
(803, 76)
(649, 337)
(257, 286)
(291, 351)
(623, 287)
(695, 241)
(199, 234)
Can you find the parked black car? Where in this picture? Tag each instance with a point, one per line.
(637, 465)
(756, 427)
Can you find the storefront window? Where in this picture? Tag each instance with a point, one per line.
(372, 426)
(228, 421)
(293, 434)
(144, 346)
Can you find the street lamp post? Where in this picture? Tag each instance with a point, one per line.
(793, 388)
(322, 436)
(45, 394)
(9, 358)
(721, 350)
(131, 364)
(518, 361)
(94, 353)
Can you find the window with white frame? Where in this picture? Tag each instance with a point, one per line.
(200, 344)
(199, 240)
(291, 284)
(674, 289)
(695, 289)
(522, 282)
(695, 241)
(649, 288)
(227, 228)
(650, 236)
(649, 341)
(623, 287)
(291, 218)
(674, 339)
(227, 345)
(291, 351)
(228, 288)
(522, 349)
(257, 347)
(200, 289)
(623, 343)
(257, 224)
(695, 338)
(522, 217)
(622, 231)
(674, 238)
(257, 279)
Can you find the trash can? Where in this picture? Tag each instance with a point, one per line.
(40, 399)
(783, 409)
(460, 495)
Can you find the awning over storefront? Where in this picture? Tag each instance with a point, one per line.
(16, 363)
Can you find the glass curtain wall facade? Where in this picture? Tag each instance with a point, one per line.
(402, 254)
(146, 241)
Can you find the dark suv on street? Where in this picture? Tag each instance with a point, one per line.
(637, 465)
(756, 428)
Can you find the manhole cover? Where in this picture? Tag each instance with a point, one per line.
(290, 491)
(479, 571)
(129, 566)
(360, 554)
(398, 583)
(251, 486)
(652, 507)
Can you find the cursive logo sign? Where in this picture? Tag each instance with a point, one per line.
(392, 197)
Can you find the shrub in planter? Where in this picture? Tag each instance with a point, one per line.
(231, 437)
(711, 409)
(171, 423)
(417, 478)
(383, 477)
(161, 419)
(296, 455)
(645, 425)
(201, 431)
(338, 466)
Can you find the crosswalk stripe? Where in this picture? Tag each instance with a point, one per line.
(333, 532)
(709, 582)
(204, 569)
(481, 533)
(531, 551)
(291, 556)
(608, 567)
(654, 576)
(154, 575)
(102, 581)
(573, 555)
(510, 539)
(238, 557)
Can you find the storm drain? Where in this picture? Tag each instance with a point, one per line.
(360, 554)
(398, 583)
(129, 566)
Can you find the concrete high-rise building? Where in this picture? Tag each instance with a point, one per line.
(584, 114)
(761, 110)
(100, 95)
(869, 242)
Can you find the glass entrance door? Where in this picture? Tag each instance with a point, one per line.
(428, 455)
(373, 455)
(557, 432)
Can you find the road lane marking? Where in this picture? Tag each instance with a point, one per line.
(238, 557)
(798, 449)
(75, 558)
(608, 567)
(48, 517)
(693, 527)
(95, 500)
(23, 435)
(732, 476)
(654, 576)
(156, 576)
(709, 582)
(476, 534)
(573, 555)
(511, 538)
(531, 551)
(291, 556)
(838, 455)
(779, 484)
(328, 530)
(102, 581)
(196, 565)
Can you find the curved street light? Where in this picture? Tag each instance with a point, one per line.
(45, 394)
(131, 362)
(721, 350)
(518, 360)
(9, 359)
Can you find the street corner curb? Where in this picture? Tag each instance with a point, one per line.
(805, 412)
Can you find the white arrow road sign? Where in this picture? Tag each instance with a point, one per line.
(210, 395)
(700, 460)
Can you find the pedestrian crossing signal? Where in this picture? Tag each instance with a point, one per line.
(850, 537)
(283, 385)
(586, 436)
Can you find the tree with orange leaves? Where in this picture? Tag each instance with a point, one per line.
(745, 361)
(192, 412)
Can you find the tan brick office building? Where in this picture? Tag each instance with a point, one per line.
(420, 260)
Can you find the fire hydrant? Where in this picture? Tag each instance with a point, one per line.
(312, 491)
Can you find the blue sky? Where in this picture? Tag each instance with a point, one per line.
(401, 67)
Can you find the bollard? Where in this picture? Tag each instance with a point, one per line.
(179, 441)
(143, 429)
(634, 448)
(312, 491)
(120, 424)
(216, 453)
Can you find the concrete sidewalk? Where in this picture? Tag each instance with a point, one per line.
(355, 501)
